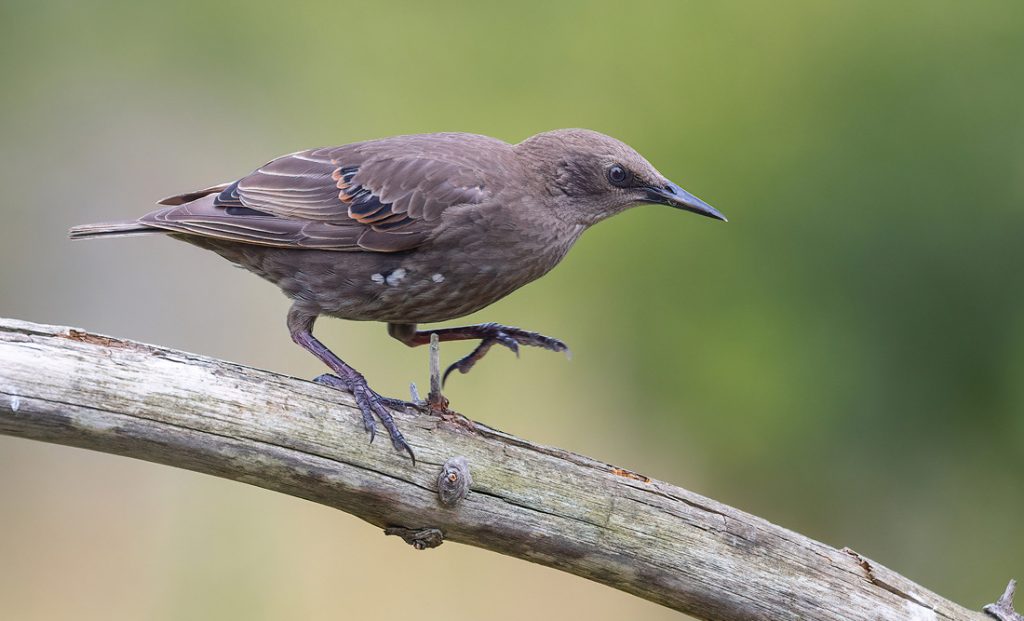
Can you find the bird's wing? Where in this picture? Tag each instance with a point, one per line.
(383, 196)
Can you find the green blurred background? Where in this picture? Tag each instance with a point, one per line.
(844, 358)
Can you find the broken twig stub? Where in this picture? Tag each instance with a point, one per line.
(1003, 608)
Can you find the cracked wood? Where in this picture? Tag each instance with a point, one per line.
(542, 504)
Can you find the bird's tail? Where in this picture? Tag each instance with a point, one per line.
(111, 229)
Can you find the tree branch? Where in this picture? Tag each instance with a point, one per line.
(542, 504)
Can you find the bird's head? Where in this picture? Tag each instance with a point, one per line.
(593, 176)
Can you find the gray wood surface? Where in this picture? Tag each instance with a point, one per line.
(546, 505)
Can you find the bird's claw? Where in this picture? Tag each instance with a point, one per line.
(371, 403)
(508, 341)
(508, 337)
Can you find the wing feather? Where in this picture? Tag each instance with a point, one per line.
(380, 196)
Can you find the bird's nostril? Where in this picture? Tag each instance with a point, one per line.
(670, 189)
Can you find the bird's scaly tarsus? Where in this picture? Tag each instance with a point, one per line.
(350, 380)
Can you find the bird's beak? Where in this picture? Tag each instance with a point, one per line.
(674, 196)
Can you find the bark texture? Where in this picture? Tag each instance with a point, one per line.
(546, 505)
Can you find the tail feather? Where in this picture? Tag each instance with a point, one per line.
(111, 229)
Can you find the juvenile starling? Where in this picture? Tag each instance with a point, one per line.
(412, 229)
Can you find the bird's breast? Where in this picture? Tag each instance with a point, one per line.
(471, 264)
(445, 280)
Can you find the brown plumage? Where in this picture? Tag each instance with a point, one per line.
(412, 229)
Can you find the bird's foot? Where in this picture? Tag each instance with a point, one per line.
(334, 381)
(496, 334)
(371, 403)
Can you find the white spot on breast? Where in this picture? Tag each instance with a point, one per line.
(15, 403)
(437, 278)
(396, 276)
(378, 278)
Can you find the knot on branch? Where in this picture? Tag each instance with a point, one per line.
(419, 538)
(453, 481)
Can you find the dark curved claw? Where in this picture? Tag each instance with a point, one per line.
(492, 333)
(371, 403)
(508, 341)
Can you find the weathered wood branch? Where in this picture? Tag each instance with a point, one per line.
(546, 505)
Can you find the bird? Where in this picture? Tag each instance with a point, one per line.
(410, 230)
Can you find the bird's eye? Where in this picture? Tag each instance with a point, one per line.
(619, 176)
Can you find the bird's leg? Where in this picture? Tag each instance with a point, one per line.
(300, 324)
(489, 334)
